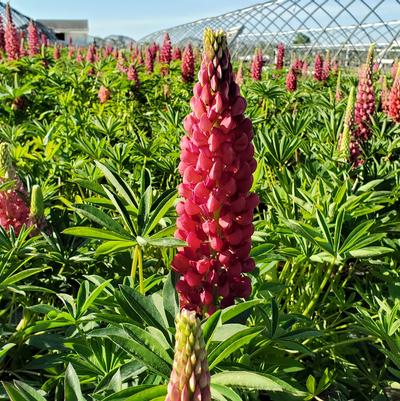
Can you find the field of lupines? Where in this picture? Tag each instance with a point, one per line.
(176, 225)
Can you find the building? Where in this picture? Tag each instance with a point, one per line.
(64, 29)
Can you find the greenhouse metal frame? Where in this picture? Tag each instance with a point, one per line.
(345, 27)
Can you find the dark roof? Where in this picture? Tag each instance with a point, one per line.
(67, 24)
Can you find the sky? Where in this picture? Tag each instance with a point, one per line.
(134, 18)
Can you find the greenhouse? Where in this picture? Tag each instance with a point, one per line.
(305, 26)
(209, 213)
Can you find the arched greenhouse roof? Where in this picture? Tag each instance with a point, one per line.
(21, 22)
(346, 27)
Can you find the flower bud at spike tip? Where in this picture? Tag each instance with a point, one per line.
(37, 205)
(190, 377)
(6, 167)
(217, 164)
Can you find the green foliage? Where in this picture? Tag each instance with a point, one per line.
(77, 324)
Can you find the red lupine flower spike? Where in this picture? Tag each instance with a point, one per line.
(217, 163)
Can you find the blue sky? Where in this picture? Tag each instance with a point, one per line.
(134, 18)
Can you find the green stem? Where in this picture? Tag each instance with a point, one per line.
(141, 279)
(321, 287)
(134, 264)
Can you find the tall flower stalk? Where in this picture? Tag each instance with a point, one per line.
(365, 102)
(393, 105)
(280, 56)
(217, 163)
(318, 68)
(11, 37)
(33, 39)
(256, 65)
(187, 66)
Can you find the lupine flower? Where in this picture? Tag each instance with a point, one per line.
(176, 53)
(280, 55)
(56, 53)
(11, 36)
(291, 80)
(257, 65)
(133, 75)
(190, 377)
(217, 163)
(149, 61)
(187, 66)
(166, 50)
(79, 57)
(365, 102)
(22, 50)
(71, 52)
(326, 66)
(104, 94)
(91, 54)
(239, 74)
(318, 68)
(139, 58)
(44, 39)
(394, 99)
(345, 137)
(298, 65)
(2, 42)
(394, 68)
(304, 70)
(154, 48)
(338, 94)
(335, 67)
(33, 39)
(13, 209)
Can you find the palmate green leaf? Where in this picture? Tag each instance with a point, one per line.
(91, 185)
(141, 344)
(358, 233)
(121, 209)
(209, 327)
(168, 242)
(101, 218)
(119, 184)
(72, 387)
(311, 234)
(92, 297)
(370, 251)
(232, 311)
(5, 348)
(144, 209)
(15, 278)
(170, 299)
(19, 391)
(223, 393)
(114, 246)
(140, 393)
(141, 308)
(232, 344)
(94, 233)
(161, 207)
(255, 381)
